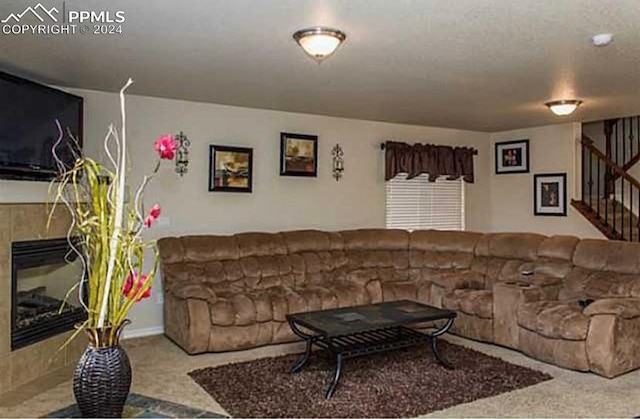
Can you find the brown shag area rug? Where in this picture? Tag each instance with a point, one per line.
(402, 383)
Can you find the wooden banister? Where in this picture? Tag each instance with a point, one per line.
(588, 143)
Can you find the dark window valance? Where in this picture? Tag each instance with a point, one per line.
(434, 160)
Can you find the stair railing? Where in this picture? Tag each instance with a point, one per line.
(623, 143)
(610, 195)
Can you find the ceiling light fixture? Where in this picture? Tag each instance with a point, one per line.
(563, 107)
(319, 42)
(602, 39)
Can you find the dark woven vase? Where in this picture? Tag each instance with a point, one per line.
(102, 378)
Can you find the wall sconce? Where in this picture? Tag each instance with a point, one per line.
(338, 161)
(182, 153)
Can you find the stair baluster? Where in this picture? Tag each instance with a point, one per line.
(630, 210)
(612, 207)
(598, 189)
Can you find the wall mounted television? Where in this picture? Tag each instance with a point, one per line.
(28, 131)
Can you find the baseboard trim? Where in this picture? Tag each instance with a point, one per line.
(141, 333)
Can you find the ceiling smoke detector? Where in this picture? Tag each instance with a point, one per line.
(602, 39)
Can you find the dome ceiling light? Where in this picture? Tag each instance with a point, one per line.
(319, 42)
(602, 39)
(563, 107)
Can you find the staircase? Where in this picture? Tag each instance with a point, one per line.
(610, 192)
(601, 210)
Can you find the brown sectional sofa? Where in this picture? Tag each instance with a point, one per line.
(233, 292)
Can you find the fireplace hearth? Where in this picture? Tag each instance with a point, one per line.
(42, 273)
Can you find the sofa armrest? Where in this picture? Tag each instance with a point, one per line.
(627, 308)
(192, 290)
(613, 341)
(508, 296)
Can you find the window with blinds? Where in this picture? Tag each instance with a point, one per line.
(418, 204)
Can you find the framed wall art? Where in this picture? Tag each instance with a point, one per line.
(512, 157)
(230, 169)
(550, 194)
(298, 155)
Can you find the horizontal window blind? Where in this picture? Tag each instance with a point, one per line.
(418, 204)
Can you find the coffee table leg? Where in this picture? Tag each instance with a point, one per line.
(309, 341)
(304, 359)
(434, 343)
(336, 378)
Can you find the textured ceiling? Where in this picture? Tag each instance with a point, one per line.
(473, 64)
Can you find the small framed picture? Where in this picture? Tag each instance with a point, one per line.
(512, 157)
(298, 155)
(550, 194)
(230, 169)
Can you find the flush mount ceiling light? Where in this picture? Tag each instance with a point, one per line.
(319, 42)
(602, 39)
(563, 107)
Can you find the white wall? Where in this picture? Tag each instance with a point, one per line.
(494, 202)
(277, 203)
(553, 149)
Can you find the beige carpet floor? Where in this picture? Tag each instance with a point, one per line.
(160, 370)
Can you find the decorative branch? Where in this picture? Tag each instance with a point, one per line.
(119, 204)
(112, 249)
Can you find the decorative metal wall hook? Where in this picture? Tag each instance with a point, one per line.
(182, 153)
(338, 162)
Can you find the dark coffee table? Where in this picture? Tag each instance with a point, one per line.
(355, 331)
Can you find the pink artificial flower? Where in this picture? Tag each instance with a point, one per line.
(166, 147)
(132, 286)
(153, 215)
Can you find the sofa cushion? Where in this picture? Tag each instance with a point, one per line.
(440, 259)
(554, 319)
(197, 291)
(260, 244)
(451, 279)
(558, 247)
(358, 259)
(626, 308)
(628, 286)
(522, 246)
(552, 267)
(171, 250)
(584, 283)
(349, 294)
(477, 303)
(209, 248)
(312, 241)
(444, 241)
(607, 255)
(241, 308)
(399, 290)
(442, 249)
(375, 239)
(554, 256)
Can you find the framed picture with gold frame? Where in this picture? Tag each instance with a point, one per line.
(230, 169)
(298, 155)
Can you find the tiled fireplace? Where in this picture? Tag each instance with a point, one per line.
(44, 302)
(38, 282)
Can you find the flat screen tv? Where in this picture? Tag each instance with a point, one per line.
(28, 130)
